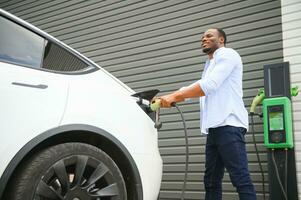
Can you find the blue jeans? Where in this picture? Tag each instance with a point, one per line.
(225, 148)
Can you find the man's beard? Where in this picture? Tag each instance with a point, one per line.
(211, 49)
(207, 50)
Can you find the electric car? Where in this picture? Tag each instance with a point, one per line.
(69, 129)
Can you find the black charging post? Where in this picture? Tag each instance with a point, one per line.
(281, 153)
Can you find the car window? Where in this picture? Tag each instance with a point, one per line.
(19, 45)
(59, 59)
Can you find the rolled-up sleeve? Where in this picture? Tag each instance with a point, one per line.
(225, 62)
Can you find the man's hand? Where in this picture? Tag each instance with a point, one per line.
(174, 97)
(192, 91)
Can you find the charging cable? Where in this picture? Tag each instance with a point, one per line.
(257, 154)
(186, 152)
(283, 189)
(155, 106)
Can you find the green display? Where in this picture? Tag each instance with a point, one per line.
(276, 121)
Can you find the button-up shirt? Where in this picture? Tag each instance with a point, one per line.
(222, 84)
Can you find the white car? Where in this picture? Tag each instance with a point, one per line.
(69, 129)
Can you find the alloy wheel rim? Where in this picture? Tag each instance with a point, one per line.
(78, 177)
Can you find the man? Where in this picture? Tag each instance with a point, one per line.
(223, 115)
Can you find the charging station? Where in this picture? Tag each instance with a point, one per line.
(278, 132)
(277, 123)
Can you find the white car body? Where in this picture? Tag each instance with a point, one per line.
(36, 104)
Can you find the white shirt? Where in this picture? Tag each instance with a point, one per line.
(222, 84)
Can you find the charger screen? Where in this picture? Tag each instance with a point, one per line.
(276, 121)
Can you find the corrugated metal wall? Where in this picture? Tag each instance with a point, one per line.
(291, 19)
(156, 44)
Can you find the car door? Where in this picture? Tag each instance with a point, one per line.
(32, 100)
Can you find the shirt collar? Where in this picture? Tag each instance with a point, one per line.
(217, 50)
(214, 54)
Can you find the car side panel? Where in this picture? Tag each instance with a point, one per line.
(32, 101)
(96, 100)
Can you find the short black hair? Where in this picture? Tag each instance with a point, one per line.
(223, 34)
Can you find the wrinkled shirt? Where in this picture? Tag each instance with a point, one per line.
(222, 84)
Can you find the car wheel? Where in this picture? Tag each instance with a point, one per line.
(70, 171)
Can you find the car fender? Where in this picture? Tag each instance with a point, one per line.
(30, 146)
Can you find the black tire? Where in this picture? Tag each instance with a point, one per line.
(70, 171)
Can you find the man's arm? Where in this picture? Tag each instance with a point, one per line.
(192, 91)
(224, 65)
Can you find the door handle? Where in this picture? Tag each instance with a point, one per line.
(39, 86)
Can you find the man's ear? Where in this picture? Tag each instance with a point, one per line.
(221, 40)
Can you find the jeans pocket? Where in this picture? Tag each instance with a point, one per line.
(243, 130)
(239, 133)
